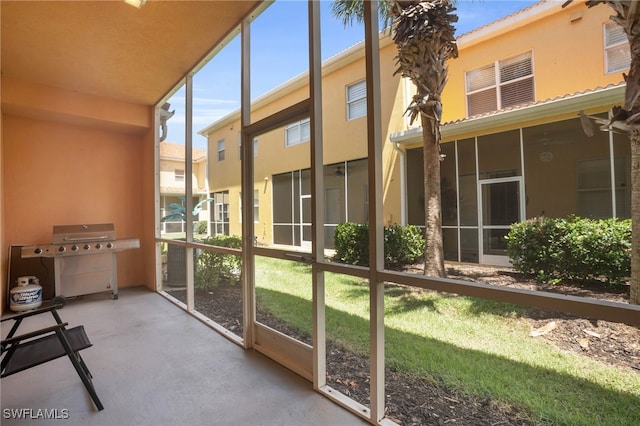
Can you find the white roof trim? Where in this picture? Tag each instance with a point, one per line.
(335, 62)
(599, 97)
(508, 23)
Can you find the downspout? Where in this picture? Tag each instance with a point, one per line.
(403, 183)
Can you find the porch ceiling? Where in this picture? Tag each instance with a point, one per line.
(110, 49)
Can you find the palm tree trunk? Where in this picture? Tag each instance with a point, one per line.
(433, 252)
(634, 138)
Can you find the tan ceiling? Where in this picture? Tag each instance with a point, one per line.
(111, 49)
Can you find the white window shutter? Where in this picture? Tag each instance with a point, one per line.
(516, 67)
(356, 100)
(481, 78)
(482, 102)
(516, 93)
(617, 52)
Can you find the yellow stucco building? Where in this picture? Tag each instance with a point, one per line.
(80, 143)
(172, 171)
(513, 146)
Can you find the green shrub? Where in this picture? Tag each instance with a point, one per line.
(352, 243)
(201, 227)
(529, 246)
(403, 245)
(213, 268)
(572, 248)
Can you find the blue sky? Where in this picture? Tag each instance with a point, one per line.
(279, 53)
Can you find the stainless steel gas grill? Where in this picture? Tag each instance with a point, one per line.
(84, 258)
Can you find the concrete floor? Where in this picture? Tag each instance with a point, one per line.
(153, 364)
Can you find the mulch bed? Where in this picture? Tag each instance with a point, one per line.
(419, 401)
(608, 342)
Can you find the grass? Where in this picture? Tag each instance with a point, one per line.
(475, 347)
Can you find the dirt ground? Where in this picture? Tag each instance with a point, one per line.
(412, 401)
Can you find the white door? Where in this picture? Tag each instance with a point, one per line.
(501, 204)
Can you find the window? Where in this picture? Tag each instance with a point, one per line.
(179, 175)
(356, 100)
(503, 84)
(297, 133)
(221, 150)
(616, 48)
(221, 213)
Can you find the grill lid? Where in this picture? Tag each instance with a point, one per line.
(79, 233)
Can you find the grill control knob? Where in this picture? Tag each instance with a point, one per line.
(98, 246)
(87, 247)
(109, 245)
(61, 249)
(38, 251)
(74, 247)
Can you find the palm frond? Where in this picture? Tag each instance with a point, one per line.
(351, 12)
(425, 37)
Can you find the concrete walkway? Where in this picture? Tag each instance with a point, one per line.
(153, 364)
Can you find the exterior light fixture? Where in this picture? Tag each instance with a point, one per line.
(136, 3)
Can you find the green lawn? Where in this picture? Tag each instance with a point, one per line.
(476, 347)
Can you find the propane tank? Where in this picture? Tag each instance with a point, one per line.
(27, 295)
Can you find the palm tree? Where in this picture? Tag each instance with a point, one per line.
(424, 34)
(626, 119)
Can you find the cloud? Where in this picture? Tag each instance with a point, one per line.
(205, 110)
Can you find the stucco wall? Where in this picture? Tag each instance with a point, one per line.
(342, 140)
(59, 174)
(56, 174)
(3, 243)
(564, 39)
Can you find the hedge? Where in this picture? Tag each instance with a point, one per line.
(572, 248)
(403, 245)
(213, 268)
